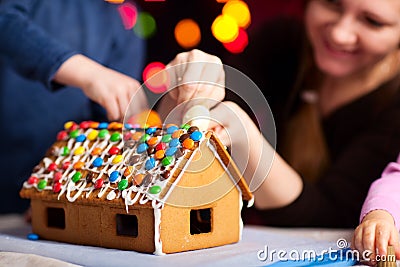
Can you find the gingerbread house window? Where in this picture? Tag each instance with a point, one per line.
(56, 218)
(127, 225)
(200, 221)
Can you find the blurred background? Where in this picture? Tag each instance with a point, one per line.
(220, 27)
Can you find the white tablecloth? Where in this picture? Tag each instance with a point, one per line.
(13, 232)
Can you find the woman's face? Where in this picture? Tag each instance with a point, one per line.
(349, 36)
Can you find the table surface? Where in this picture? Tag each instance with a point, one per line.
(16, 249)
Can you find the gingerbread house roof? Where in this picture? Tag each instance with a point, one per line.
(114, 163)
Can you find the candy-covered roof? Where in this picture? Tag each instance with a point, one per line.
(117, 162)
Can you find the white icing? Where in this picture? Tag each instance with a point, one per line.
(251, 202)
(240, 217)
(157, 237)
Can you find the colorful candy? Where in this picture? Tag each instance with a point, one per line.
(76, 177)
(123, 184)
(33, 180)
(155, 189)
(113, 150)
(57, 187)
(80, 138)
(42, 184)
(99, 183)
(117, 159)
(93, 135)
(115, 137)
(114, 176)
(79, 151)
(103, 133)
(150, 164)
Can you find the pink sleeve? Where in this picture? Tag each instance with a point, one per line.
(384, 193)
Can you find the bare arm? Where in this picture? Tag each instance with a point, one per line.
(277, 184)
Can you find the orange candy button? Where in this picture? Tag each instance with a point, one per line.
(177, 133)
(136, 136)
(128, 171)
(152, 141)
(188, 143)
(137, 180)
(96, 151)
(159, 154)
(78, 165)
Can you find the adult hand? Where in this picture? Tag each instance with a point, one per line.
(107, 87)
(374, 234)
(196, 75)
(231, 124)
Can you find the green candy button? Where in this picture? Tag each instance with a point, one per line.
(185, 126)
(115, 137)
(166, 138)
(74, 133)
(42, 184)
(167, 161)
(65, 151)
(103, 133)
(155, 189)
(76, 177)
(123, 184)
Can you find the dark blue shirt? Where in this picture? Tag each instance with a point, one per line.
(36, 37)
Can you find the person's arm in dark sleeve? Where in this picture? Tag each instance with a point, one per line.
(337, 199)
(26, 46)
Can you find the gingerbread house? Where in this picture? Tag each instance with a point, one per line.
(153, 190)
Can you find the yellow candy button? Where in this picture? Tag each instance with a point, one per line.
(79, 151)
(117, 159)
(93, 135)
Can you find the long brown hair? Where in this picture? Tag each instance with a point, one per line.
(303, 143)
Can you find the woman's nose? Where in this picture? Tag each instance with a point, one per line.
(344, 32)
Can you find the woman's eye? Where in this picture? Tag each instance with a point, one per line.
(333, 2)
(374, 23)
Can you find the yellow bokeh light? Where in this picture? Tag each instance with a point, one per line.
(115, 1)
(225, 28)
(187, 33)
(239, 11)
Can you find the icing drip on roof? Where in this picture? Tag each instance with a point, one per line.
(111, 161)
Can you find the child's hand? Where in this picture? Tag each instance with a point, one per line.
(107, 87)
(113, 91)
(375, 233)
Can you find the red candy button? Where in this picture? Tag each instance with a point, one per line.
(99, 183)
(33, 180)
(52, 167)
(62, 135)
(57, 176)
(57, 187)
(113, 150)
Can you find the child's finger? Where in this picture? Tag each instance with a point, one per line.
(368, 239)
(382, 236)
(357, 239)
(394, 241)
(112, 110)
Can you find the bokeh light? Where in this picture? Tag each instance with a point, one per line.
(145, 25)
(239, 11)
(225, 29)
(115, 1)
(239, 44)
(145, 119)
(155, 77)
(128, 13)
(222, 1)
(187, 33)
